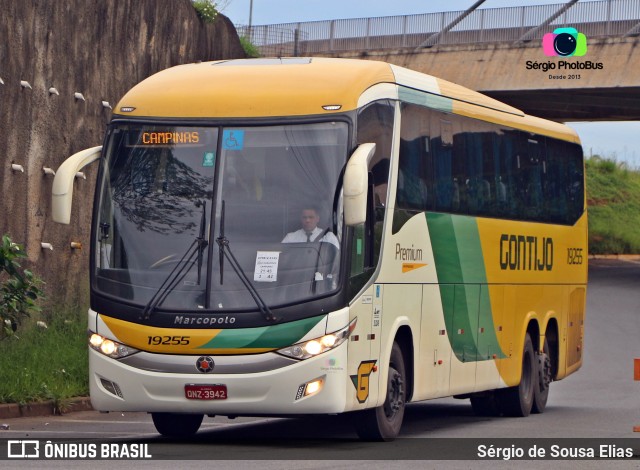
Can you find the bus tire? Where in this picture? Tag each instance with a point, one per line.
(383, 423)
(177, 424)
(518, 401)
(542, 379)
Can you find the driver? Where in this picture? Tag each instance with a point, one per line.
(310, 232)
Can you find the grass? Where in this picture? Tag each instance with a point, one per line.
(613, 198)
(250, 49)
(39, 364)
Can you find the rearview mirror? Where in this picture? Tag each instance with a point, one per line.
(62, 193)
(356, 180)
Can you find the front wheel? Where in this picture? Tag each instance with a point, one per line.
(177, 424)
(384, 422)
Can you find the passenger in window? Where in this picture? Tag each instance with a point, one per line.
(501, 191)
(455, 195)
(412, 190)
(310, 232)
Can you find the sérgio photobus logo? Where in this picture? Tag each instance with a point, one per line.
(566, 48)
(564, 42)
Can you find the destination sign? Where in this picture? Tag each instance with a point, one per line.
(165, 138)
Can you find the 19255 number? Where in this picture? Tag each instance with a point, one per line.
(168, 340)
(574, 256)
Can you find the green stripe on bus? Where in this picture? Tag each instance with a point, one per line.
(423, 98)
(276, 336)
(460, 268)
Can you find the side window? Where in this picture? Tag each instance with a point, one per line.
(470, 186)
(564, 190)
(414, 167)
(454, 164)
(531, 171)
(541, 179)
(445, 184)
(506, 160)
(575, 191)
(374, 124)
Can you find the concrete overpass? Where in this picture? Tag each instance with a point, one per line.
(500, 71)
(496, 51)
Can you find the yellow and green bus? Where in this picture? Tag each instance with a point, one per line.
(320, 236)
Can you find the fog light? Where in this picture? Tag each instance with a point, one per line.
(310, 388)
(313, 387)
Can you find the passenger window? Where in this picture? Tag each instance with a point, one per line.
(415, 166)
(454, 164)
(374, 124)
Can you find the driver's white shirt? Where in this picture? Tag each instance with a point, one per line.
(300, 236)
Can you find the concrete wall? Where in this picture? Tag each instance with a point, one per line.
(99, 48)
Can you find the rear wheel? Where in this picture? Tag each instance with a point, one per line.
(542, 379)
(518, 400)
(177, 424)
(384, 422)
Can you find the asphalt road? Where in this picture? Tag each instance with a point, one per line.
(599, 403)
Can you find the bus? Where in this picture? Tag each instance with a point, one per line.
(445, 251)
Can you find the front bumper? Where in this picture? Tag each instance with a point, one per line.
(269, 392)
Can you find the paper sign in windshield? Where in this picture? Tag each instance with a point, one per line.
(266, 266)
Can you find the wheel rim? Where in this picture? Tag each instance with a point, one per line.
(544, 372)
(395, 395)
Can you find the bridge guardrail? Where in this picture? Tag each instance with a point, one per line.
(600, 18)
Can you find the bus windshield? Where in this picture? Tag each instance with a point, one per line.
(161, 220)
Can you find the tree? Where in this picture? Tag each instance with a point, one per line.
(20, 288)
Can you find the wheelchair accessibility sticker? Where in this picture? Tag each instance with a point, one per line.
(233, 139)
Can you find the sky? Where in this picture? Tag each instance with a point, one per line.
(618, 140)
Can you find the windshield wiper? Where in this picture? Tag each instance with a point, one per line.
(225, 252)
(202, 243)
(186, 262)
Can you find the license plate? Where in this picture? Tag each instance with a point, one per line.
(205, 392)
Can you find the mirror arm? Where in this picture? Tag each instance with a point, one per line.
(62, 192)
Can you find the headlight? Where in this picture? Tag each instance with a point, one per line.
(320, 345)
(109, 347)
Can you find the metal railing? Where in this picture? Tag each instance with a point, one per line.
(595, 19)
